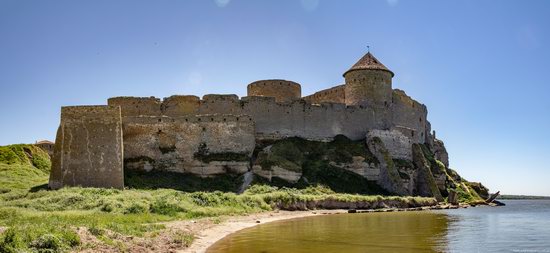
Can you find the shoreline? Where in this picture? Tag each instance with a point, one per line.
(214, 232)
(208, 234)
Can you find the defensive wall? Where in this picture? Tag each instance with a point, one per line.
(276, 120)
(88, 148)
(184, 144)
(335, 94)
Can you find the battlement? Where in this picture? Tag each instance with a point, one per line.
(133, 106)
(180, 105)
(281, 90)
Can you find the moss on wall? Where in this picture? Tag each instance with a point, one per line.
(313, 159)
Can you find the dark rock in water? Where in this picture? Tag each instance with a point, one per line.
(498, 203)
(352, 211)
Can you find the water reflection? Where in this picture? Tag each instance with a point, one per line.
(372, 232)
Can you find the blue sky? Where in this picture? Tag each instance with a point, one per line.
(480, 66)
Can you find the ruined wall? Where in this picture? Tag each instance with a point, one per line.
(399, 146)
(281, 90)
(335, 94)
(88, 148)
(409, 116)
(184, 144)
(368, 87)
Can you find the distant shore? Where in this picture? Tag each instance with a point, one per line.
(522, 197)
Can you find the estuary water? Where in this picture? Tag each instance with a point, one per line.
(520, 226)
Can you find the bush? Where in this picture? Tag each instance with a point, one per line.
(165, 207)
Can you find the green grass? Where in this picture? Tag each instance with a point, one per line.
(40, 220)
(179, 181)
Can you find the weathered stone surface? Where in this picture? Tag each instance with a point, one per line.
(88, 148)
(203, 144)
(425, 183)
(398, 145)
(276, 171)
(217, 168)
(360, 167)
(440, 152)
(389, 177)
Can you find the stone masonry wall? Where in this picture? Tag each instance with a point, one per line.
(88, 148)
(335, 94)
(178, 143)
(409, 116)
(273, 120)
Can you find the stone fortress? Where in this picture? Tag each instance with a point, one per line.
(95, 144)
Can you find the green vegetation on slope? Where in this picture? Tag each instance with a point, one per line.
(38, 220)
(313, 159)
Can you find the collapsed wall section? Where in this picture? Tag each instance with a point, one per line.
(88, 148)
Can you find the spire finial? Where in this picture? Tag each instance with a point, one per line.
(368, 48)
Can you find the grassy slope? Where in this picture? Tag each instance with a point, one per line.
(40, 220)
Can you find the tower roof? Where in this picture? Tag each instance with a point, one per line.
(369, 62)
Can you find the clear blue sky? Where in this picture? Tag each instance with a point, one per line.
(481, 67)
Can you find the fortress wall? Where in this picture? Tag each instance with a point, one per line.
(273, 120)
(88, 148)
(409, 114)
(332, 95)
(171, 143)
(281, 90)
(299, 118)
(180, 105)
(135, 106)
(220, 104)
(398, 145)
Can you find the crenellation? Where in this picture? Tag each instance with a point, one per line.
(179, 105)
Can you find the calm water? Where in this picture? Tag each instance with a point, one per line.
(521, 226)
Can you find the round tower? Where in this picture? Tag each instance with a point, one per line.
(281, 90)
(368, 82)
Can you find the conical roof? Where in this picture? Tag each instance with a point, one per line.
(369, 62)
